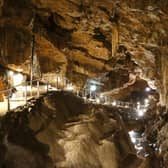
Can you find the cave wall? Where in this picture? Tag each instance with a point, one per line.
(80, 38)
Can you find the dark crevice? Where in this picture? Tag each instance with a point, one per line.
(58, 35)
(104, 10)
(84, 50)
(78, 48)
(99, 36)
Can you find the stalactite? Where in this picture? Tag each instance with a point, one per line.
(115, 40)
(36, 66)
(164, 76)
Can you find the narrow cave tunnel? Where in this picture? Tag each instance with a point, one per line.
(83, 84)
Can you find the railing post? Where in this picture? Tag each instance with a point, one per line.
(77, 92)
(9, 92)
(31, 88)
(38, 93)
(57, 81)
(47, 87)
(90, 94)
(83, 93)
(26, 92)
(64, 81)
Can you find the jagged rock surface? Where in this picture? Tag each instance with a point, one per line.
(63, 133)
(77, 36)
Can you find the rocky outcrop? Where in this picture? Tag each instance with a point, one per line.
(57, 132)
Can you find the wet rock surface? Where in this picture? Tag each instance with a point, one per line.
(156, 131)
(62, 131)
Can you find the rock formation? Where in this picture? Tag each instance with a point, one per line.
(57, 132)
(123, 43)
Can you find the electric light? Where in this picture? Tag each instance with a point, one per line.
(132, 136)
(11, 73)
(140, 112)
(13, 95)
(138, 105)
(147, 89)
(70, 88)
(58, 79)
(17, 79)
(114, 103)
(138, 147)
(97, 100)
(93, 88)
(19, 69)
(126, 106)
(146, 101)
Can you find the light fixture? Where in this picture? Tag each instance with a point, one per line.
(114, 103)
(140, 112)
(13, 95)
(58, 78)
(146, 101)
(138, 105)
(11, 73)
(19, 69)
(17, 79)
(126, 106)
(97, 100)
(70, 88)
(138, 147)
(93, 88)
(147, 89)
(132, 136)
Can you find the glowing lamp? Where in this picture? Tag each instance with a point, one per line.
(19, 69)
(97, 100)
(11, 73)
(93, 88)
(146, 101)
(140, 113)
(70, 88)
(147, 89)
(58, 78)
(17, 79)
(132, 136)
(114, 103)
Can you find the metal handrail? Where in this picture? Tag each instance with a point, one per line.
(23, 83)
(42, 79)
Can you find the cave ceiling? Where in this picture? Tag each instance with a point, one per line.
(78, 37)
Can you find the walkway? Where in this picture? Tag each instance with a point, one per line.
(24, 92)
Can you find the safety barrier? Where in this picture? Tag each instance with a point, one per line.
(20, 94)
